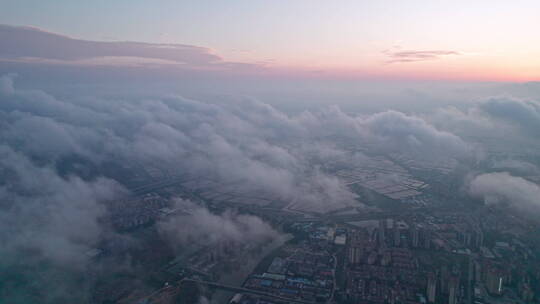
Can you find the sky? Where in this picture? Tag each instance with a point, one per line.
(441, 40)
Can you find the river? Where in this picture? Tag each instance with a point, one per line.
(238, 277)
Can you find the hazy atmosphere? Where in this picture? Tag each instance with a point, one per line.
(269, 152)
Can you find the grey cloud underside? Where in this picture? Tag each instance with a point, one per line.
(32, 45)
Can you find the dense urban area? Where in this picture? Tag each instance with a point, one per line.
(413, 237)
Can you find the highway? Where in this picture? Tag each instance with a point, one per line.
(244, 290)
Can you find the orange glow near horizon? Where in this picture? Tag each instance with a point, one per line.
(455, 69)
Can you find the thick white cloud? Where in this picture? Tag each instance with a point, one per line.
(6, 84)
(238, 140)
(503, 115)
(399, 132)
(503, 188)
(203, 227)
(523, 113)
(42, 211)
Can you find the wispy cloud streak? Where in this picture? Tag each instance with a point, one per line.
(415, 55)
